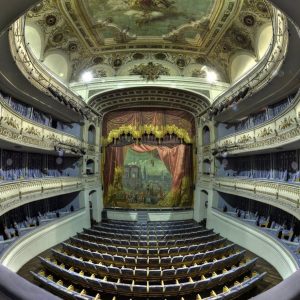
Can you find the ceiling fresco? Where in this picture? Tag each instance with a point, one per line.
(148, 17)
(119, 37)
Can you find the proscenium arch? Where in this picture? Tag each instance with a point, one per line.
(150, 97)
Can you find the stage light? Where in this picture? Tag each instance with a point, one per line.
(211, 76)
(87, 76)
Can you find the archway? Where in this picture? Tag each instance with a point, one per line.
(205, 135)
(90, 167)
(206, 167)
(92, 135)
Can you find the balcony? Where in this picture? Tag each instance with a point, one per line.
(283, 130)
(16, 129)
(16, 193)
(280, 194)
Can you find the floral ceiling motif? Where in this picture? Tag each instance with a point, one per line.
(185, 37)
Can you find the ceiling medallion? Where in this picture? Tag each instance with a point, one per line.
(262, 7)
(150, 71)
(117, 62)
(138, 56)
(160, 56)
(51, 20)
(98, 60)
(58, 37)
(73, 47)
(181, 63)
(249, 20)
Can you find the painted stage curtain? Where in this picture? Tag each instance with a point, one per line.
(176, 159)
(173, 158)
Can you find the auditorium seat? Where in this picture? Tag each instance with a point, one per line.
(107, 263)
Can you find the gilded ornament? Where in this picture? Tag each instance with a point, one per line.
(10, 121)
(150, 71)
(286, 123)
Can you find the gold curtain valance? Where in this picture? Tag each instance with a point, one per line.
(138, 131)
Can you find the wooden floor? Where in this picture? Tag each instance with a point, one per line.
(272, 278)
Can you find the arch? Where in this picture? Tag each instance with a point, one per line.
(57, 62)
(206, 167)
(240, 63)
(203, 203)
(34, 39)
(92, 135)
(90, 167)
(152, 96)
(205, 135)
(92, 205)
(263, 39)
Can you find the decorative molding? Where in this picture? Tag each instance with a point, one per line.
(16, 193)
(150, 96)
(150, 71)
(284, 129)
(35, 72)
(15, 128)
(283, 195)
(266, 69)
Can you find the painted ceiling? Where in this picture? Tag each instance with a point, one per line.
(121, 37)
(147, 17)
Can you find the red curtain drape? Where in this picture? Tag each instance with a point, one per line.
(114, 157)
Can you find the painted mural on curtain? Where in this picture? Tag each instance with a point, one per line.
(148, 172)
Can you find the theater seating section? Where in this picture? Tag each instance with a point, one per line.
(162, 260)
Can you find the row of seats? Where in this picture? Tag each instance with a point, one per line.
(128, 260)
(149, 273)
(142, 227)
(149, 237)
(149, 290)
(69, 292)
(139, 261)
(139, 243)
(148, 252)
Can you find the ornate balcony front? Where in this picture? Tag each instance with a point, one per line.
(280, 194)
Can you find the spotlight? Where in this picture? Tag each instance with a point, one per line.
(211, 76)
(87, 76)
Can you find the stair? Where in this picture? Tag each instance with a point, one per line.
(142, 217)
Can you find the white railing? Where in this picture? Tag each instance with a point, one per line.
(267, 68)
(16, 193)
(280, 194)
(283, 129)
(34, 71)
(21, 130)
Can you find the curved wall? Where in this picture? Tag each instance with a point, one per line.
(39, 240)
(153, 216)
(252, 239)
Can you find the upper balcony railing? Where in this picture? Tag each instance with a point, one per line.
(36, 73)
(267, 68)
(283, 129)
(18, 129)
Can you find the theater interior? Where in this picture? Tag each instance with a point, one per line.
(149, 149)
